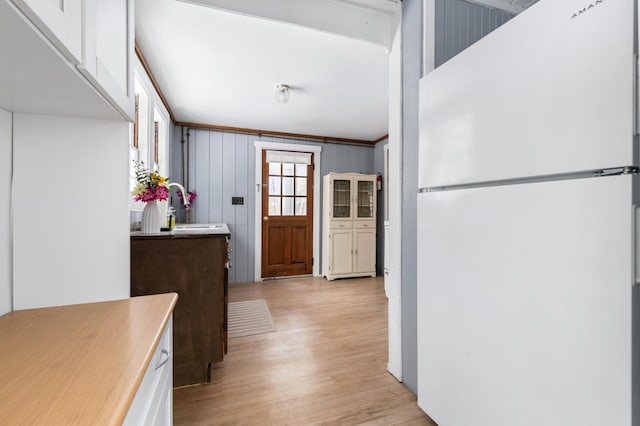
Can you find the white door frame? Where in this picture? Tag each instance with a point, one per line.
(317, 182)
(393, 258)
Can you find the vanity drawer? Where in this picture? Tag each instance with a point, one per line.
(341, 225)
(370, 224)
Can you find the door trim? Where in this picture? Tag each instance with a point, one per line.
(317, 183)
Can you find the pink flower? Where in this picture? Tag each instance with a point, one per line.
(150, 186)
(192, 196)
(157, 193)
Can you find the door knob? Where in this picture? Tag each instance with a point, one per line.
(266, 218)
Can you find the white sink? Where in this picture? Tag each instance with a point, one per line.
(200, 228)
(196, 226)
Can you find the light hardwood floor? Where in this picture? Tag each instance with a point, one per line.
(325, 364)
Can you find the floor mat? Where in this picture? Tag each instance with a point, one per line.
(249, 318)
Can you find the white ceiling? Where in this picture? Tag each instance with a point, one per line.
(218, 61)
(221, 68)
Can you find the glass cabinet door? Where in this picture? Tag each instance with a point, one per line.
(341, 198)
(365, 199)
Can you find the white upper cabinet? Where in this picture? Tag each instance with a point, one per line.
(109, 50)
(60, 21)
(67, 57)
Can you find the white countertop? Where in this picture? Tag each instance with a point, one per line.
(190, 229)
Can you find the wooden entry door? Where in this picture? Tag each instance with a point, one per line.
(287, 218)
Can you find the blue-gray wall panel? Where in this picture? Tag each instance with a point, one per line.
(229, 168)
(459, 24)
(242, 177)
(200, 181)
(215, 175)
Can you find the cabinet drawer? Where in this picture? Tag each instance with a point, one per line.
(341, 225)
(156, 385)
(370, 224)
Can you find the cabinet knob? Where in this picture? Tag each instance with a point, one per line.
(266, 218)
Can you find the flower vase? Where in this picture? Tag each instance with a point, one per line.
(151, 222)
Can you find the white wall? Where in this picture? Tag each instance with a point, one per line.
(412, 12)
(393, 279)
(71, 226)
(5, 212)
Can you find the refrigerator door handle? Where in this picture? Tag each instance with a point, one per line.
(636, 96)
(636, 246)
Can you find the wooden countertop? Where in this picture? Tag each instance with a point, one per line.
(78, 364)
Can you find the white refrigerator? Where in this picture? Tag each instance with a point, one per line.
(527, 242)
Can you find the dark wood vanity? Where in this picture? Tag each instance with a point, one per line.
(195, 267)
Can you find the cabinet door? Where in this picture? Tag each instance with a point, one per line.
(162, 405)
(153, 402)
(108, 51)
(197, 273)
(364, 259)
(341, 250)
(341, 197)
(365, 199)
(60, 21)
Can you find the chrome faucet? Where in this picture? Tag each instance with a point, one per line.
(185, 197)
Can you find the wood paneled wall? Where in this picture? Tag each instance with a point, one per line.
(222, 165)
(459, 24)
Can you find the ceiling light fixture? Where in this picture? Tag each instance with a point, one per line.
(282, 93)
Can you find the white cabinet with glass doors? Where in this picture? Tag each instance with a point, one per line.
(349, 225)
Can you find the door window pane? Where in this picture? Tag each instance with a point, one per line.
(274, 185)
(301, 206)
(301, 186)
(288, 189)
(287, 169)
(301, 169)
(274, 168)
(274, 206)
(287, 186)
(287, 206)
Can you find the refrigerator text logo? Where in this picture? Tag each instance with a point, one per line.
(587, 8)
